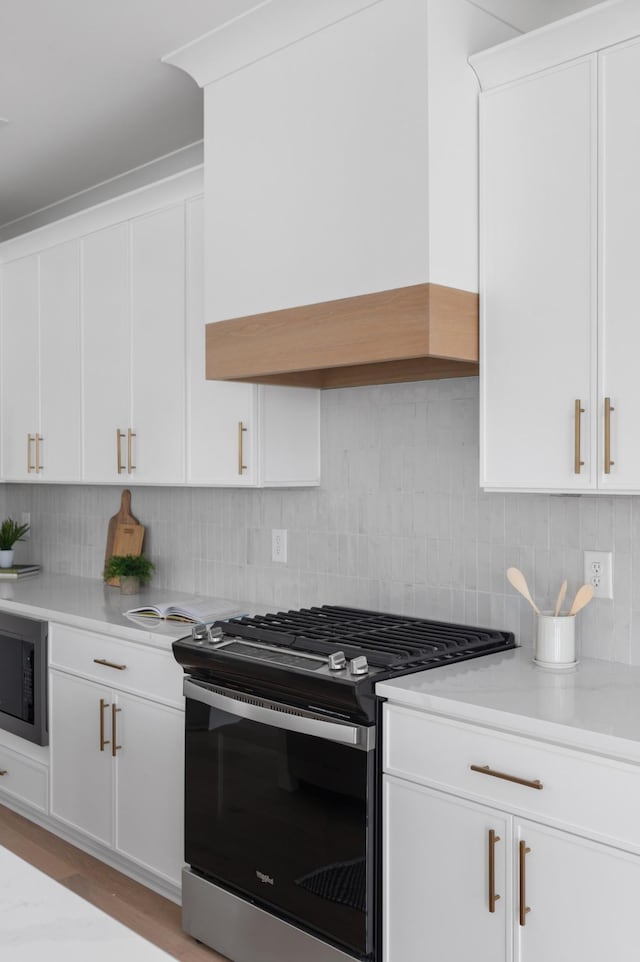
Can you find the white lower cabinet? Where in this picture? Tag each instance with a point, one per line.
(467, 876)
(116, 771)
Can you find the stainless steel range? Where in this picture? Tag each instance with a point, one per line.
(282, 775)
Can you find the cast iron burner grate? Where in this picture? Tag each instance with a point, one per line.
(388, 641)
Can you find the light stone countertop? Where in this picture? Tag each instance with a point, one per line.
(89, 603)
(42, 921)
(594, 707)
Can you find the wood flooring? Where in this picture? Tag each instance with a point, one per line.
(137, 907)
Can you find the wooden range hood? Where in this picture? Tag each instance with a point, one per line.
(422, 332)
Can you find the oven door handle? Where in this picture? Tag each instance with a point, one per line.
(293, 720)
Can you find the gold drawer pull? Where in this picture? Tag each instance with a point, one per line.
(30, 440)
(39, 466)
(103, 741)
(493, 898)
(241, 465)
(119, 437)
(130, 436)
(109, 664)
(485, 770)
(577, 463)
(608, 408)
(114, 745)
(524, 908)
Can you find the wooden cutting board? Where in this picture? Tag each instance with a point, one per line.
(127, 529)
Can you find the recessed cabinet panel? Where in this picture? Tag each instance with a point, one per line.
(538, 280)
(106, 350)
(619, 455)
(59, 450)
(158, 346)
(20, 394)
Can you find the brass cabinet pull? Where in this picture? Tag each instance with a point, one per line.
(119, 437)
(493, 898)
(241, 430)
(30, 439)
(103, 741)
(39, 466)
(577, 463)
(114, 745)
(485, 770)
(108, 664)
(524, 908)
(608, 408)
(130, 436)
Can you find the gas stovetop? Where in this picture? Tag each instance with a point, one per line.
(328, 657)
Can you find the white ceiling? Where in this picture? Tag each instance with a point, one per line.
(87, 97)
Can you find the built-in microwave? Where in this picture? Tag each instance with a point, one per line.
(23, 677)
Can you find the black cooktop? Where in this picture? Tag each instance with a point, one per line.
(243, 653)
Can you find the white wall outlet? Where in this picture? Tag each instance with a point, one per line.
(279, 544)
(598, 571)
(25, 518)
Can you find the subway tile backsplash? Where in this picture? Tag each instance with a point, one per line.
(398, 523)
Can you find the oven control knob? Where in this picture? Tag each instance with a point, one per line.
(199, 633)
(337, 661)
(359, 666)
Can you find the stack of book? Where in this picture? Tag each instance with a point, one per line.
(19, 571)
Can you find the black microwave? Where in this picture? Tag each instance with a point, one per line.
(23, 677)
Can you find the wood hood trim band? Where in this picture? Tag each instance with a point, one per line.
(406, 334)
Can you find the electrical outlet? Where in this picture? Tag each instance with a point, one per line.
(26, 519)
(279, 544)
(598, 571)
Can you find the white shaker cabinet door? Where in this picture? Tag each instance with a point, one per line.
(222, 442)
(106, 351)
(582, 896)
(81, 773)
(437, 879)
(20, 349)
(150, 820)
(59, 450)
(158, 346)
(538, 281)
(620, 257)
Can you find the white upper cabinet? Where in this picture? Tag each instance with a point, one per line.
(538, 298)
(103, 370)
(41, 381)
(560, 150)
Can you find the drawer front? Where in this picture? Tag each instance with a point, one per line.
(588, 793)
(119, 664)
(23, 779)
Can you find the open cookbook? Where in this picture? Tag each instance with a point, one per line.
(191, 610)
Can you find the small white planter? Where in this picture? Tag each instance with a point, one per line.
(6, 559)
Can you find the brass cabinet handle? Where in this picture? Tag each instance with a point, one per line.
(103, 741)
(524, 908)
(30, 439)
(108, 664)
(241, 430)
(130, 436)
(608, 408)
(119, 437)
(493, 898)
(114, 745)
(485, 770)
(577, 463)
(39, 466)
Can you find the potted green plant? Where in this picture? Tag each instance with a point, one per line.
(132, 570)
(10, 532)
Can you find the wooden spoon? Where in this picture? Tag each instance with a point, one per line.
(519, 582)
(561, 594)
(582, 598)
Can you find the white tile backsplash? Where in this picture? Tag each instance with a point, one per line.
(398, 523)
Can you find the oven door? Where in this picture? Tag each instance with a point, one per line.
(279, 808)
